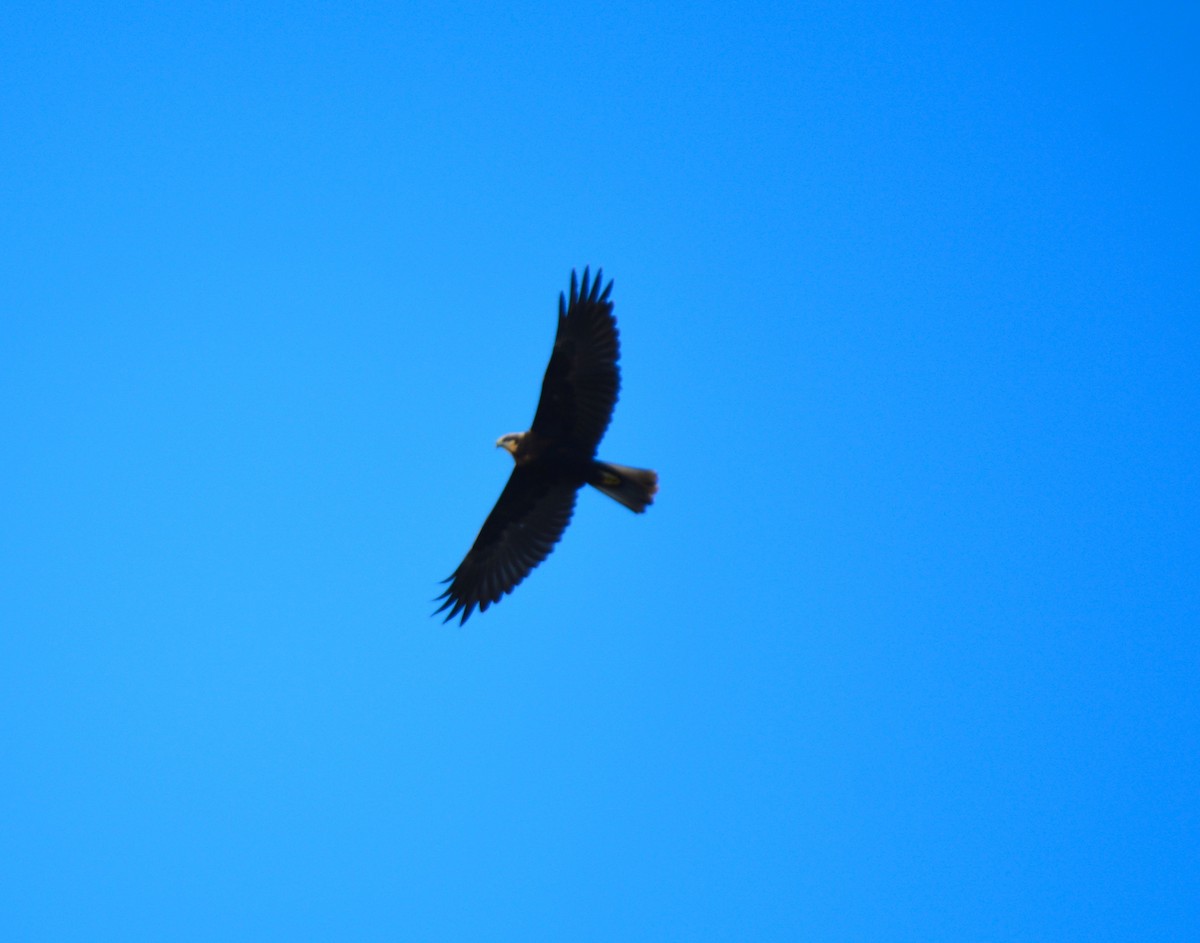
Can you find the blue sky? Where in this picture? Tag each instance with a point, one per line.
(905, 651)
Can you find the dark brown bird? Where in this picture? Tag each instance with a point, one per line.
(555, 458)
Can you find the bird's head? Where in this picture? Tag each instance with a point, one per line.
(510, 442)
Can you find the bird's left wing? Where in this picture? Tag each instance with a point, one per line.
(529, 518)
(582, 379)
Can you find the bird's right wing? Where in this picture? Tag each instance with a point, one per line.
(527, 521)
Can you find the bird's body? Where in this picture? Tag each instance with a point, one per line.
(555, 458)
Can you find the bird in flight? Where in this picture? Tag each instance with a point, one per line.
(555, 458)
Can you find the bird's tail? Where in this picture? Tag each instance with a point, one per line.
(633, 487)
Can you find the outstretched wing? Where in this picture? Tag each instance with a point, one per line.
(582, 379)
(527, 521)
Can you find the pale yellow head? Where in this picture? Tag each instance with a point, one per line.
(510, 442)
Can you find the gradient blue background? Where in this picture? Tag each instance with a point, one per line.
(907, 649)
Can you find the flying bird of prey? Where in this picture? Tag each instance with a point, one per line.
(555, 458)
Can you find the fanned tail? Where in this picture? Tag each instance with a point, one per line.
(633, 487)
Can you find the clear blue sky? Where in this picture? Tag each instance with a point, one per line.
(905, 651)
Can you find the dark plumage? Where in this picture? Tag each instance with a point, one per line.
(555, 458)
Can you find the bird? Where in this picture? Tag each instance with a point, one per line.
(555, 457)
